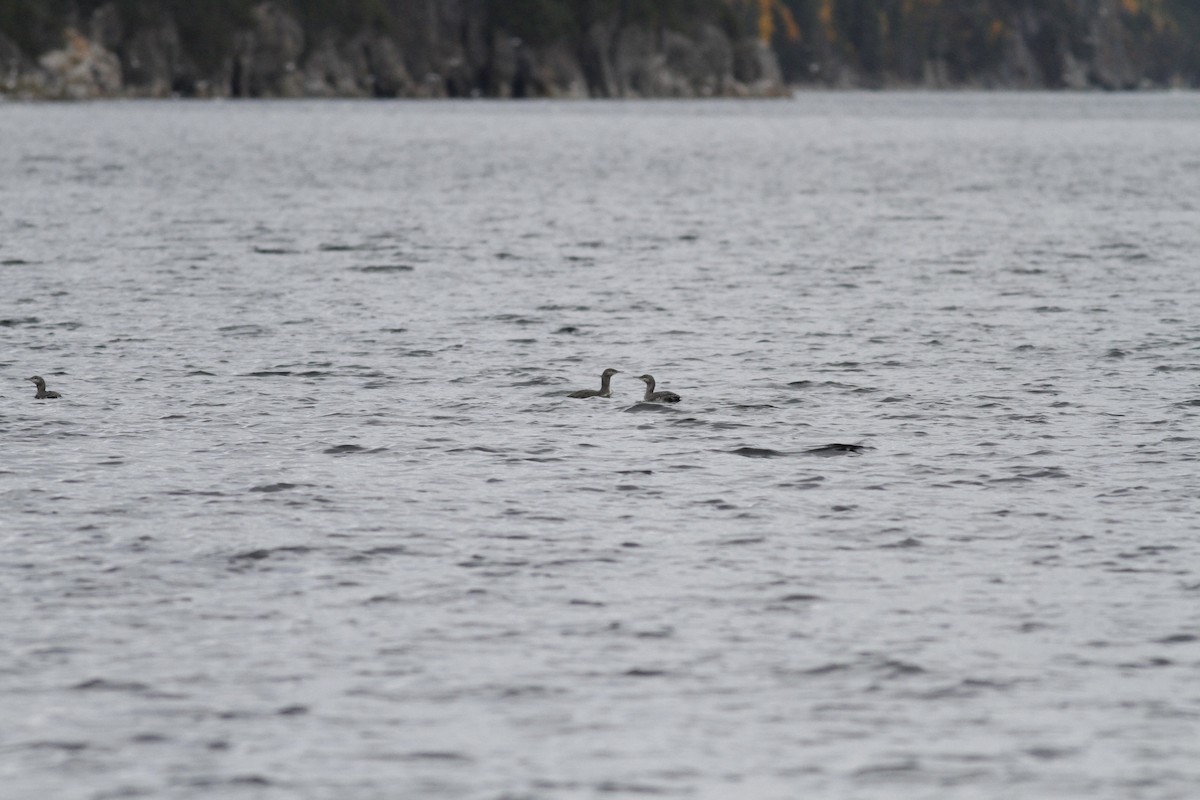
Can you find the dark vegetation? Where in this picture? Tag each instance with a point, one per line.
(879, 41)
(543, 21)
(897, 38)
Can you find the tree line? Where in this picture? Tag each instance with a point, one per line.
(877, 38)
(897, 38)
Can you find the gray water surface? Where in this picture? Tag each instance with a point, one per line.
(315, 519)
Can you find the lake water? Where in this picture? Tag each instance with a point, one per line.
(314, 517)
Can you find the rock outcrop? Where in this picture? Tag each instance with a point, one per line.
(82, 69)
(444, 49)
(461, 48)
(1019, 44)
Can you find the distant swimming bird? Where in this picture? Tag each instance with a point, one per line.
(657, 397)
(603, 391)
(42, 394)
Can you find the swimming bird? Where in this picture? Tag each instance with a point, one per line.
(656, 397)
(42, 394)
(603, 391)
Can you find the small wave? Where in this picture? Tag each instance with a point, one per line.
(807, 384)
(264, 553)
(437, 755)
(339, 247)
(242, 330)
(640, 407)
(836, 449)
(901, 544)
(800, 597)
(347, 449)
(269, 488)
(63, 745)
(104, 685)
(383, 268)
(757, 452)
(645, 672)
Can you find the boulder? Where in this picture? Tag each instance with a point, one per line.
(388, 75)
(640, 66)
(82, 69)
(714, 54)
(333, 71)
(559, 71)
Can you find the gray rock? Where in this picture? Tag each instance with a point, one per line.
(715, 62)
(639, 65)
(1113, 64)
(597, 56)
(557, 73)
(388, 75)
(333, 71)
(502, 65)
(82, 69)
(266, 58)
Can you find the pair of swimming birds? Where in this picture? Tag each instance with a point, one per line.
(605, 391)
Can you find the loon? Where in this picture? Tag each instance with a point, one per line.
(42, 394)
(603, 391)
(656, 397)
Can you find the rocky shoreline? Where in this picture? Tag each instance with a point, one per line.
(453, 49)
(448, 56)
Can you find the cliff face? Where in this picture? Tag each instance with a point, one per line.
(1019, 44)
(585, 48)
(422, 48)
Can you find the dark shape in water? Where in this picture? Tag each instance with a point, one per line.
(836, 450)
(757, 452)
(603, 391)
(653, 408)
(656, 397)
(344, 448)
(370, 268)
(42, 394)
